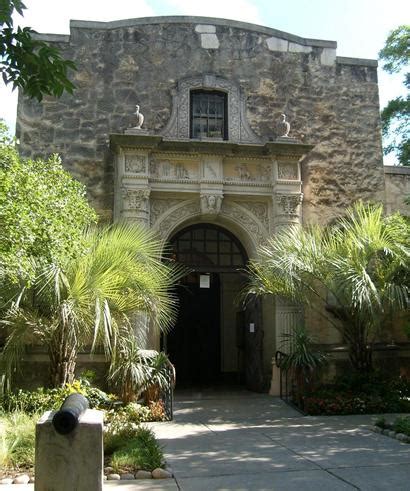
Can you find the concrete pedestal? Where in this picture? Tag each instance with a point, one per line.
(72, 462)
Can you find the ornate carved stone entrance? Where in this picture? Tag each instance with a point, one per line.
(251, 190)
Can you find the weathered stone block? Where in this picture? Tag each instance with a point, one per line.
(73, 461)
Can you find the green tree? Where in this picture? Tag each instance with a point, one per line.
(26, 62)
(352, 273)
(43, 212)
(396, 115)
(89, 299)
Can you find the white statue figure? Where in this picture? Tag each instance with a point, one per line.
(140, 118)
(283, 127)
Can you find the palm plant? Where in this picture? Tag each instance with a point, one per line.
(353, 273)
(134, 370)
(89, 299)
(302, 358)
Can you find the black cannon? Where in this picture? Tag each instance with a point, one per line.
(66, 419)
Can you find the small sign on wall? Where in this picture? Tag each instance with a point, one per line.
(204, 281)
(251, 327)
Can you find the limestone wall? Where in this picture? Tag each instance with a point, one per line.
(397, 189)
(331, 102)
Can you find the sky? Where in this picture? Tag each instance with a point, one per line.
(360, 27)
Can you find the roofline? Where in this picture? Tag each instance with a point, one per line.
(186, 19)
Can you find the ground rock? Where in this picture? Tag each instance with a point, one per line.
(159, 473)
(143, 475)
(6, 480)
(23, 479)
(113, 477)
(108, 470)
(127, 477)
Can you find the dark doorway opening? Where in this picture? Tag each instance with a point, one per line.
(194, 342)
(206, 344)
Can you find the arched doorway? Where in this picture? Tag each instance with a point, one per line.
(206, 344)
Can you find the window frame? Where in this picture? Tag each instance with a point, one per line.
(209, 92)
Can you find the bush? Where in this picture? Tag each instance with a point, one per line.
(360, 394)
(402, 425)
(141, 452)
(17, 441)
(41, 399)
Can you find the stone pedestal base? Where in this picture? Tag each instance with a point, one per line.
(70, 462)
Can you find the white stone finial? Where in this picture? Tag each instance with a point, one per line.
(283, 127)
(140, 118)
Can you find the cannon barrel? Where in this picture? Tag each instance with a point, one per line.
(66, 419)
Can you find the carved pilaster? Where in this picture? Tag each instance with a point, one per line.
(136, 205)
(287, 204)
(287, 209)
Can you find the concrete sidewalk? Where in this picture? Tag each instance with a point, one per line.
(245, 441)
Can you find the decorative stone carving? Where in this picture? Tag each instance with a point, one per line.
(168, 170)
(139, 117)
(136, 199)
(170, 221)
(181, 172)
(256, 232)
(283, 127)
(135, 164)
(287, 171)
(288, 203)
(243, 172)
(264, 172)
(211, 204)
(179, 122)
(259, 209)
(160, 206)
(209, 170)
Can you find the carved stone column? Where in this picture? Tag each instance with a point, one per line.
(287, 209)
(135, 205)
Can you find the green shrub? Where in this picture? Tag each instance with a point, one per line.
(141, 452)
(40, 400)
(402, 425)
(381, 422)
(17, 440)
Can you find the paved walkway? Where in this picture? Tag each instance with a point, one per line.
(245, 441)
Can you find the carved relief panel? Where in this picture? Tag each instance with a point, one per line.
(247, 171)
(288, 171)
(169, 169)
(135, 164)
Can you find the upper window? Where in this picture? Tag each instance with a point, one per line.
(209, 115)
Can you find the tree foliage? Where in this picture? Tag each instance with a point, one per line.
(90, 299)
(26, 62)
(396, 115)
(43, 212)
(353, 273)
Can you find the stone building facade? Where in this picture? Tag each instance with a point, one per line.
(218, 182)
